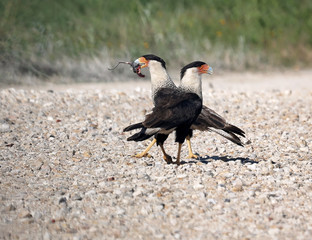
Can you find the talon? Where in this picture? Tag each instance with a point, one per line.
(140, 155)
(168, 159)
(178, 163)
(193, 156)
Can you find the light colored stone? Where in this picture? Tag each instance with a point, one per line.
(198, 186)
(237, 185)
(4, 127)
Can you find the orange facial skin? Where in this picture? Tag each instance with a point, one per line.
(203, 68)
(144, 61)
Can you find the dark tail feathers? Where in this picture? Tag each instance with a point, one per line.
(140, 136)
(133, 126)
(228, 135)
(233, 129)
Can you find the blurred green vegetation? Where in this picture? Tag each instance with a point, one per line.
(278, 32)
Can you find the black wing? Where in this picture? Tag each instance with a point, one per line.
(172, 109)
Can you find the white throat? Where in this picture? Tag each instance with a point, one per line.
(192, 82)
(159, 76)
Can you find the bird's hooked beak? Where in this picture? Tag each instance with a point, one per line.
(205, 69)
(138, 64)
(142, 62)
(210, 70)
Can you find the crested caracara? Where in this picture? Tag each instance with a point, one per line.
(208, 120)
(159, 79)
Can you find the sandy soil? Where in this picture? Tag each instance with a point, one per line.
(67, 171)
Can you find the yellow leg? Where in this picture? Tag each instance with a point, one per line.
(167, 158)
(145, 152)
(179, 153)
(191, 154)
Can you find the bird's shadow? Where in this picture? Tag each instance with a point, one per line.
(207, 159)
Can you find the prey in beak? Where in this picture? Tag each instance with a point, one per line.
(138, 64)
(136, 67)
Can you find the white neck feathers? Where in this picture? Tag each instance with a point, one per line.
(192, 82)
(159, 76)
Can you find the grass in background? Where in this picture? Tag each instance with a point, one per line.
(39, 36)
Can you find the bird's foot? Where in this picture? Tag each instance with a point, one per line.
(177, 162)
(168, 159)
(191, 155)
(140, 155)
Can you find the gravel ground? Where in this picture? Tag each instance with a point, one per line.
(67, 171)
